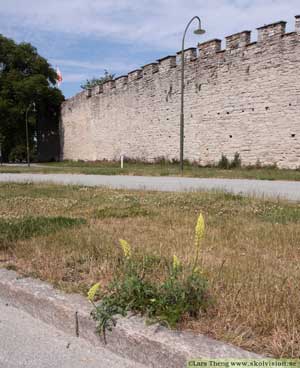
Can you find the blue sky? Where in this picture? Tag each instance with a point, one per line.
(84, 37)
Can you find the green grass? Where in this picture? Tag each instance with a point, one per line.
(28, 227)
(281, 215)
(121, 212)
(159, 169)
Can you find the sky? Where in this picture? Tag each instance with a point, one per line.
(85, 37)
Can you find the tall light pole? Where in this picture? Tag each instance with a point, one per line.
(198, 31)
(2, 138)
(31, 105)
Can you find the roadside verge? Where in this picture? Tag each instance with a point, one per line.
(154, 346)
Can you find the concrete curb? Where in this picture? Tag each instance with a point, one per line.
(153, 346)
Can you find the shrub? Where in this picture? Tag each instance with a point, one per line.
(183, 290)
(258, 164)
(223, 163)
(19, 154)
(236, 162)
(226, 164)
(161, 160)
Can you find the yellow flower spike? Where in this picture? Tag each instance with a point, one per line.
(197, 270)
(199, 230)
(126, 248)
(199, 233)
(92, 292)
(176, 262)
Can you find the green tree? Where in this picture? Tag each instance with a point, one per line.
(97, 81)
(25, 77)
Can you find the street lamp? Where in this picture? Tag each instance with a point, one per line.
(31, 105)
(198, 31)
(2, 138)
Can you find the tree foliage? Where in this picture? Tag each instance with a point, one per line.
(97, 81)
(25, 77)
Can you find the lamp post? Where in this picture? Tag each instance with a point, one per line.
(198, 31)
(2, 138)
(32, 104)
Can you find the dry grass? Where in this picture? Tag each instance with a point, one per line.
(251, 252)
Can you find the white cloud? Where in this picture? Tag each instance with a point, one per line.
(100, 67)
(75, 77)
(78, 71)
(156, 23)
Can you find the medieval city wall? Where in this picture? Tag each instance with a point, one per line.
(245, 98)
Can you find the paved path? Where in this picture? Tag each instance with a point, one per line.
(264, 188)
(29, 343)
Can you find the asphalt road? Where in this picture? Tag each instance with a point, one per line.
(26, 342)
(263, 188)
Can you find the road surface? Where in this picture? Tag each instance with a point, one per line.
(26, 342)
(263, 188)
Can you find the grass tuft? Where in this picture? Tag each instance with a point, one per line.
(121, 212)
(282, 215)
(26, 228)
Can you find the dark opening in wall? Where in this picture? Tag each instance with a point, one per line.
(230, 136)
(293, 135)
(290, 104)
(252, 108)
(267, 107)
(227, 112)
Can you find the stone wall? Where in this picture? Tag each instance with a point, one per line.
(243, 99)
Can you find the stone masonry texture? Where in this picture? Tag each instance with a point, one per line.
(245, 99)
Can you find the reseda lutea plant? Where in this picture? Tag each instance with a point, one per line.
(182, 292)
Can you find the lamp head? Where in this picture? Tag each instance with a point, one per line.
(33, 105)
(199, 31)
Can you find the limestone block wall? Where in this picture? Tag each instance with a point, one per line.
(245, 98)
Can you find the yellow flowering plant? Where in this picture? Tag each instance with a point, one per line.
(176, 263)
(180, 289)
(93, 291)
(126, 248)
(199, 231)
(199, 234)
